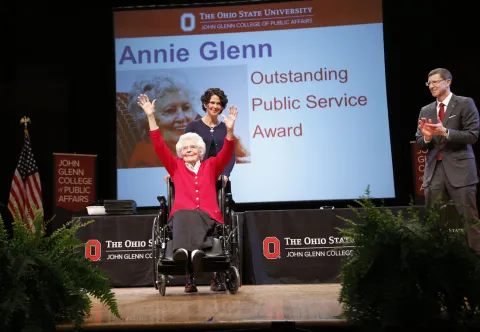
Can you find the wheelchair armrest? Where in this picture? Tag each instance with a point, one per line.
(220, 184)
(162, 200)
(171, 193)
(229, 201)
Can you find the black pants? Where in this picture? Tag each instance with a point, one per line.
(465, 199)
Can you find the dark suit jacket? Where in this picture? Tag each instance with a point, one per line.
(216, 138)
(462, 121)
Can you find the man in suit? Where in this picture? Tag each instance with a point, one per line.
(448, 128)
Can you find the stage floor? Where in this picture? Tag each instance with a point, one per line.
(253, 306)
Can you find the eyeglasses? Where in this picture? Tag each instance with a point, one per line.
(189, 147)
(433, 82)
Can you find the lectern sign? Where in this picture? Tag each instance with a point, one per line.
(419, 157)
(74, 181)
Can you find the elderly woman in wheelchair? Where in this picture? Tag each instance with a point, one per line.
(195, 213)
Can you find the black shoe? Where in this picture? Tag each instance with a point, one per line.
(197, 257)
(190, 286)
(216, 285)
(180, 255)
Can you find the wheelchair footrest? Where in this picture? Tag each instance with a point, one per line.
(215, 257)
(215, 266)
(171, 267)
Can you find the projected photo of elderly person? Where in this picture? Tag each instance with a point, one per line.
(195, 210)
(173, 111)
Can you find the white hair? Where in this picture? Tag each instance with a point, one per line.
(194, 137)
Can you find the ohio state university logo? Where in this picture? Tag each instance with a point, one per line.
(93, 250)
(271, 247)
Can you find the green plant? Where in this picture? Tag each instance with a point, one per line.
(45, 281)
(408, 270)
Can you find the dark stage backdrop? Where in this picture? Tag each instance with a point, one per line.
(66, 84)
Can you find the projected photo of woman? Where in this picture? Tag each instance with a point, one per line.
(173, 111)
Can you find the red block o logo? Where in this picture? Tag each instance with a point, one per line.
(271, 247)
(93, 250)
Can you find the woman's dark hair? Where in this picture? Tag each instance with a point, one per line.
(214, 92)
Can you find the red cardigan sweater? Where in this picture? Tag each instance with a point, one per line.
(194, 191)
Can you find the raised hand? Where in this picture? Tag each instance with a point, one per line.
(146, 105)
(232, 116)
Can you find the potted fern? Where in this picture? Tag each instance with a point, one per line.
(44, 280)
(408, 270)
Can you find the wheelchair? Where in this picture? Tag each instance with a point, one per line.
(222, 257)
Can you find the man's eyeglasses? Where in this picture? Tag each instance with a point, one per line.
(188, 147)
(433, 82)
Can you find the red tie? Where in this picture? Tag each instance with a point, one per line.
(441, 113)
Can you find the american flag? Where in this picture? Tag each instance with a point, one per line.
(26, 191)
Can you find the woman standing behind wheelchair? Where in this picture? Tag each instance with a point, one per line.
(213, 133)
(210, 128)
(195, 211)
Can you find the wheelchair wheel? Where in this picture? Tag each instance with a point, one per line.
(232, 280)
(235, 259)
(155, 251)
(162, 284)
